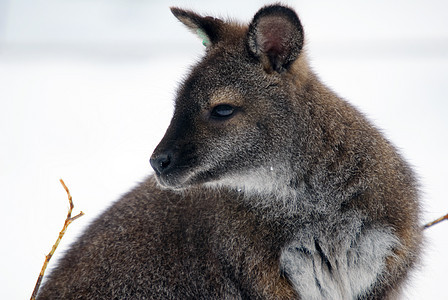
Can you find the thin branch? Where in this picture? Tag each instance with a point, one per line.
(67, 222)
(445, 217)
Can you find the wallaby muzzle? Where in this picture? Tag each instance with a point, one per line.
(161, 163)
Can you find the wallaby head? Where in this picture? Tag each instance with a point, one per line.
(235, 115)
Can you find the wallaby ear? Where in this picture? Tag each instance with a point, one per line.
(206, 28)
(275, 37)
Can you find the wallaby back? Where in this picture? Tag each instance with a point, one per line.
(267, 186)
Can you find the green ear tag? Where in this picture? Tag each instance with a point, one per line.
(203, 36)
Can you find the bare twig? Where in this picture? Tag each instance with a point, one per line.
(67, 222)
(445, 217)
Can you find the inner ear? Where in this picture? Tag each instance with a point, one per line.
(275, 37)
(206, 28)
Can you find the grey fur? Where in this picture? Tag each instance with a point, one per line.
(322, 270)
(290, 193)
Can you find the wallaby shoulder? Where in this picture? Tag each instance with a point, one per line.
(164, 244)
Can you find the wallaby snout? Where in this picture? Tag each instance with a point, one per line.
(161, 163)
(165, 164)
(173, 159)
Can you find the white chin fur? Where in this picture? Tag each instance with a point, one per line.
(264, 185)
(258, 181)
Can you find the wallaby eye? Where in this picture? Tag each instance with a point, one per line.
(222, 111)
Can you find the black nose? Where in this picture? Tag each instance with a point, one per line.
(160, 162)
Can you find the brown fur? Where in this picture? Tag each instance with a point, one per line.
(269, 187)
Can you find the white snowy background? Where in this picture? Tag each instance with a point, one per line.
(86, 92)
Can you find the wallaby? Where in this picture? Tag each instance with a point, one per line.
(267, 185)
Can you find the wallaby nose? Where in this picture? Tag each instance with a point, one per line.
(160, 162)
